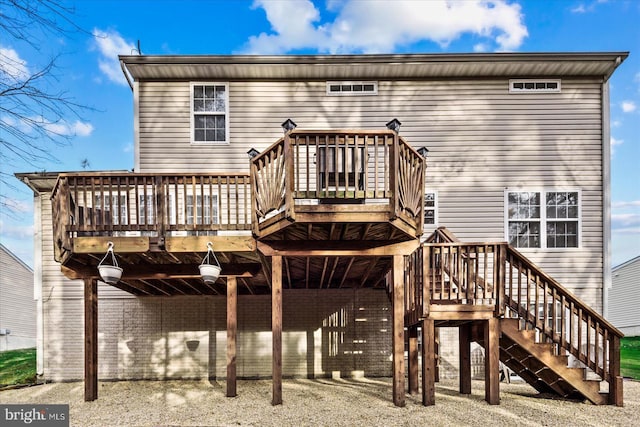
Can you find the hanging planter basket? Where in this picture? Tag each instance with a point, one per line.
(210, 268)
(109, 271)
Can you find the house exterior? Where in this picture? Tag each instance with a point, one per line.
(17, 303)
(625, 287)
(330, 237)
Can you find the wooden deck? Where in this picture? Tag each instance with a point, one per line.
(329, 210)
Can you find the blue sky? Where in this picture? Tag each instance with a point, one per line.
(89, 71)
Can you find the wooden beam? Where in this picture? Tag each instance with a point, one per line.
(428, 362)
(464, 345)
(349, 248)
(491, 361)
(276, 329)
(220, 243)
(90, 340)
(96, 245)
(161, 271)
(398, 331)
(413, 360)
(232, 330)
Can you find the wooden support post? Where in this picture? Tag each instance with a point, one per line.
(428, 363)
(90, 339)
(491, 361)
(436, 347)
(464, 341)
(276, 328)
(232, 330)
(413, 360)
(615, 381)
(398, 330)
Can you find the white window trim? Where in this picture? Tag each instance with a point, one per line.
(543, 215)
(523, 91)
(374, 92)
(193, 113)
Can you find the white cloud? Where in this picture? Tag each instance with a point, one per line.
(628, 106)
(582, 8)
(62, 128)
(16, 231)
(372, 27)
(615, 142)
(12, 65)
(579, 9)
(620, 205)
(110, 44)
(616, 124)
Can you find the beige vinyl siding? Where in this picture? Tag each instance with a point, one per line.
(54, 283)
(624, 296)
(481, 138)
(17, 304)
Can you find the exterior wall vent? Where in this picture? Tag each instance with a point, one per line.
(529, 86)
(352, 88)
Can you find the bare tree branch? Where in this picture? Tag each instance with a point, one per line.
(35, 112)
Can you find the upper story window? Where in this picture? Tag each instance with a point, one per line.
(209, 112)
(534, 86)
(352, 88)
(543, 219)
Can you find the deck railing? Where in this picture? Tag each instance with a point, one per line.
(339, 167)
(454, 272)
(560, 317)
(128, 204)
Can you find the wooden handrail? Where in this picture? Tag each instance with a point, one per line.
(156, 203)
(336, 165)
(523, 290)
(561, 317)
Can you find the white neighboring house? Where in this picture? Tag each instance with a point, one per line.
(623, 297)
(17, 303)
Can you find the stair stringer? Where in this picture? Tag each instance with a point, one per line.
(562, 379)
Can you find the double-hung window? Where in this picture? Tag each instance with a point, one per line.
(209, 113)
(543, 219)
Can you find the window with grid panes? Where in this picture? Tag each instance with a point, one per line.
(209, 112)
(543, 219)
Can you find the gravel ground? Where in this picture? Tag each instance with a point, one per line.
(349, 402)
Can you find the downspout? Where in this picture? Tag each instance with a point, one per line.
(606, 198)
(37, 283)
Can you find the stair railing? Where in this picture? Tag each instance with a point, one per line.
(560, 317)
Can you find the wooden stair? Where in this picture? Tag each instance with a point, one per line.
(534, 324)
(545, 371)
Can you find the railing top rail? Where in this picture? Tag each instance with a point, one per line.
(444, 233)
(149, 174)
(331, 132)
(565, 292)
(462, 244)
(410, 147)
(266, 151)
